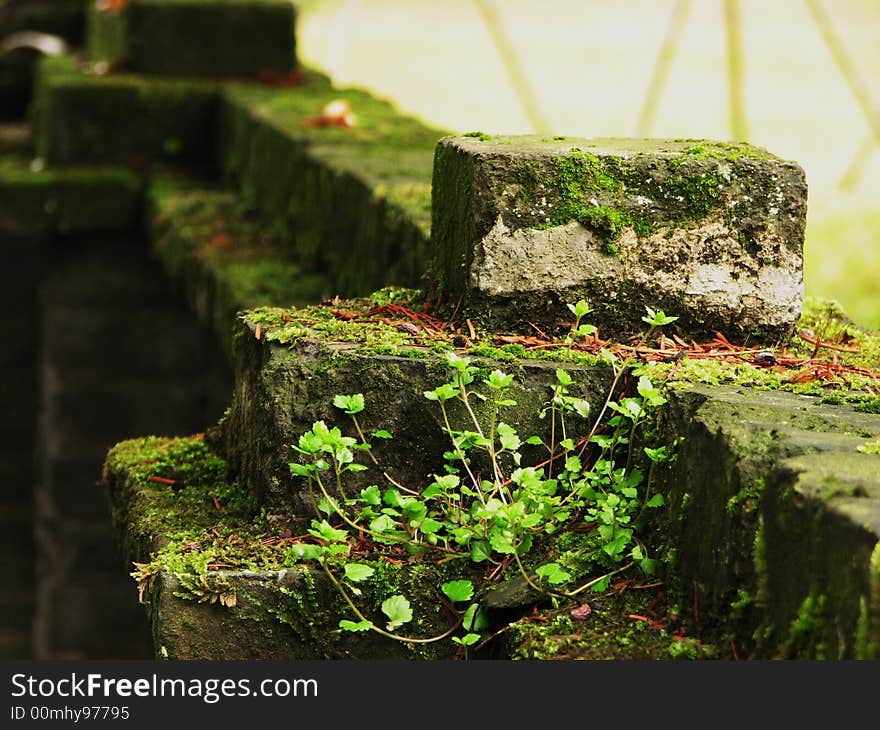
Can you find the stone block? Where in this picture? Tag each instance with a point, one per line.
(774, 519)
(708, 232)
(68, 201)
(220, 38)
(85, 118)
(289, 365)
(220, 258)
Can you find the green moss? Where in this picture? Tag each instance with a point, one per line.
(730, 151)
(68, 201)
(748, 498)
(77, 117)
(698, 193)
(482, 136)
(613, 630)
(190, 39)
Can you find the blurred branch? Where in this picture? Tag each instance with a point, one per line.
(857, 86)
(662, 67)
(856, 168)
(514, 69)
(735, 71)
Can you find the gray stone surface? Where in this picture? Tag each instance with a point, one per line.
(711, 233)
(774, 520)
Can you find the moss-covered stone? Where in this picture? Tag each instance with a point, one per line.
(221, 582)
(86, 118)
(289, 365)
(220, 257)
(770, 498)
(523, 226)
(629, 624)
(69, 201)
(220, 38)
(354, 202)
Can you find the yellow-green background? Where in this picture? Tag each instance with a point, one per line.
(588, 64)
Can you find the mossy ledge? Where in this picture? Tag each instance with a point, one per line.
(220, 580)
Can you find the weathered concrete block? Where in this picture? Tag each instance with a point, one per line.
(281, 609)
(773, 520)
(289, 365)
(195, 38)
(711, 233)
(222, 259)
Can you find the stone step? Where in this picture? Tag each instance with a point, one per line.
(120, 119)
(774, 519)
(256, 600)
(218, 38)
(354, 202)
(220, 257)
(36, 201)
(350, 203)
(290, 364)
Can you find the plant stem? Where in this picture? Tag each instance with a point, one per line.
(373, 627)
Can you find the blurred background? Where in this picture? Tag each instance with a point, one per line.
(798, 77)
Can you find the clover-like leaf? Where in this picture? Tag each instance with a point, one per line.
(398, 611)
(351, 404)
(356, 572)
(458, 590)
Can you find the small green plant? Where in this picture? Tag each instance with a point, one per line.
(580, 310)
(489, 506)
(656, 318)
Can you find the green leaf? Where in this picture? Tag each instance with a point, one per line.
(442, 393)
(657, 455)
(656, 501)
(429, 526)
(553, 573)
(563, 377)
(383, 523)
(581, 407)
(499, 380)
(580, 309)
(534, 441)
(432, 490)
(326, 531)
(371, 495)
(601, 586)
(303, 551)
(398, 611)
(351, 404)
(480, 551)
(356, 572)
(300, 470)
(503, 542)
(346, 625)
(382, 434)
(467, 639)
(327, 506)
(474, 618)
(458, 590)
